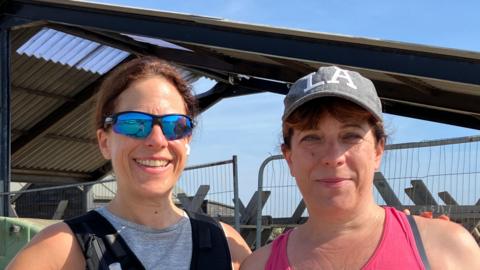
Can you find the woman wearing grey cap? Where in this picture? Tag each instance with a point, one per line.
(333, 143)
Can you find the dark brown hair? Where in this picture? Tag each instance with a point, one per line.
(308, 115)
(140, 68)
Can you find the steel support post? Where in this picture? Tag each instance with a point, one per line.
(5, 139)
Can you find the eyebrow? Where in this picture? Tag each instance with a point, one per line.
(348, 125)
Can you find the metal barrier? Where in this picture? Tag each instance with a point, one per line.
(260, 204)
(56, 202)
(212, 188)
(440, 176)
(222, 181)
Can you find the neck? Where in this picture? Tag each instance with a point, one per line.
(159, 213)
(324, 226)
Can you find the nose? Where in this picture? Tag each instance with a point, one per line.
(332, 155)
(156, 138)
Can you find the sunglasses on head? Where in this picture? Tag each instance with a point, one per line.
(139, 124)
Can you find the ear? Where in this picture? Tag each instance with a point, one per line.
(379, 149)
(187, 144)
(287, 154)
(103, 139)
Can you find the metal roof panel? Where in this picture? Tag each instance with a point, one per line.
(66, 49)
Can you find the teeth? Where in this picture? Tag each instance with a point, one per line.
(153, 163)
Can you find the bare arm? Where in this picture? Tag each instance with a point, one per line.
(258, 259)
(53, 248)
(448, 245)
(239, 250)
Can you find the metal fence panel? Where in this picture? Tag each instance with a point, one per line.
(217, 182)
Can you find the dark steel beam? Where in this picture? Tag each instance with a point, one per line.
(71, 139)
(199, 58)
(47, 176)
(239, 88)
(128, 44)
(423, 94)
(190, 61)
(256, 85)
(5, 119)
(440, 100)
(401, 93)
(391, 60)
(284, 70)
(398, 99)
(415, 91)
(212, 96)
(446, 117)
(41, 93)
(405, 100)
(417, 84)
(113, 40)
(17, 132)
(13, 22)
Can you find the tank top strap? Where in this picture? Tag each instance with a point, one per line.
(278, 259)
(397, 249)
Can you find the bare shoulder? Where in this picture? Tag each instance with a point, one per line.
(239, 249)
(258, 259)
(55, 247)
(448, 245)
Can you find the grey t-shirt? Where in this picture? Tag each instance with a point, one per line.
(168, 248)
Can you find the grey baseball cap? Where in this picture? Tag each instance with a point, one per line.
(333, 81)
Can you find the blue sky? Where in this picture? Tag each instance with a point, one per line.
(249, 126)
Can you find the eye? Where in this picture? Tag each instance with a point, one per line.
(351, 137)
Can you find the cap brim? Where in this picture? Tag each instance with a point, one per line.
(322, 94)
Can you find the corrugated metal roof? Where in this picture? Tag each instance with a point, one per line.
(78, 124)
(69, 145)
(35, 84)
(58, 155)
(66, 49)
(49, 69)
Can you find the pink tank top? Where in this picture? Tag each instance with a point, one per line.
(396, 251)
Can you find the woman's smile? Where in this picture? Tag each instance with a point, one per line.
(332, 182)
(153, 162)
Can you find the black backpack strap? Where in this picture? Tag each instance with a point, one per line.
(101, 244)
(418, 241)
(210, 246)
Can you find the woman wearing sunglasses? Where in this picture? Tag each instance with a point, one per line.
(333, 143)
(144, 120)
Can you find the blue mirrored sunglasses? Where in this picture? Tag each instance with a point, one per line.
(139, 124)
